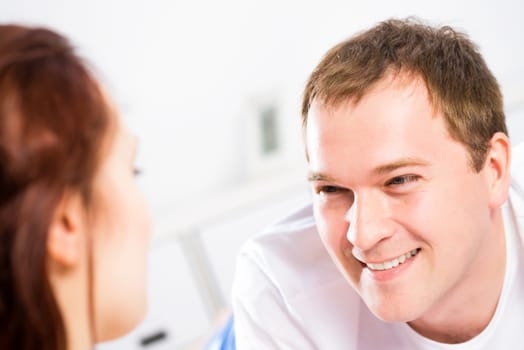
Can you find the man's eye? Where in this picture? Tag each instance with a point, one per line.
(330, 189)
(400, 180)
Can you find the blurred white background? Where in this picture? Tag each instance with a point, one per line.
(212, 89)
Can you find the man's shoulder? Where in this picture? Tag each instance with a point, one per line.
(287, 289)
(291, 241)
(291, 254)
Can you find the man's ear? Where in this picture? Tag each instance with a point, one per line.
(497, 167)
(65, 237)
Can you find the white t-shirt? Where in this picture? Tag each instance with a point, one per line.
(288, 294)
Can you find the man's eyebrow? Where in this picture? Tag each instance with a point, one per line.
(314, 176)
(379, 170)
(397, 164)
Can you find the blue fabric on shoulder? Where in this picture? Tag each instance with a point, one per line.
(224, 339)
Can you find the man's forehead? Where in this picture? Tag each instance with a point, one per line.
(404, 82)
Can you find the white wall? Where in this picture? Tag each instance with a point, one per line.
(190, 78)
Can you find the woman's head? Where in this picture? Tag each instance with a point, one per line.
(62, 154)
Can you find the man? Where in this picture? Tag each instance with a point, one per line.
(414, 238)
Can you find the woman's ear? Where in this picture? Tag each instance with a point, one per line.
(497, 165)
(65, 238)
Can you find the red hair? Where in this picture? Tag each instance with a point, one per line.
(53, 120)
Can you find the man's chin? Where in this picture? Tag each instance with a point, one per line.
(394, 312)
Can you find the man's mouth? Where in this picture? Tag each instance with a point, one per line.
(386, 265)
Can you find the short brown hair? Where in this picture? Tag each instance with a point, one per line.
(459, 82)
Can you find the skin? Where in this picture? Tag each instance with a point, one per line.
(122, 234)
(118, 227)
(387, 179)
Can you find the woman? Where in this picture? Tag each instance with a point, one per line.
(73, 226)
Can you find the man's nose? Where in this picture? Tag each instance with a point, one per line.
(369, 221)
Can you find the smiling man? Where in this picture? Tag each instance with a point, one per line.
(413, 240)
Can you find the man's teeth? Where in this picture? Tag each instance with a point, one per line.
(386, 265)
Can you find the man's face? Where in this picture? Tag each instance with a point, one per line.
(397, 204)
